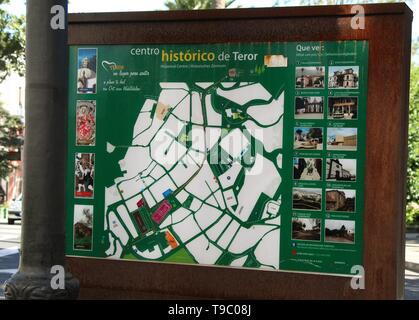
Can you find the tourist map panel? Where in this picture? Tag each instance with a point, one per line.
(245, 155)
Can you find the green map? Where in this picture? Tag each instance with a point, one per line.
(239, 155)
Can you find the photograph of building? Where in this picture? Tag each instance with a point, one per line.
(340, 231)
(307, 169)
(309, 77)
(344, 139)
(307, 198)
(309, 107)
(308, 138)
(340, 200)
(343, 77)
(341, 169)
(343, 108)
(306, 229)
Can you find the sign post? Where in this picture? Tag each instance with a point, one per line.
(42, 246)
(259, 141)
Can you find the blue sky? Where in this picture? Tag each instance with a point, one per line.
(18, 6)
(341, 131)
(346, 132)
(86, 53)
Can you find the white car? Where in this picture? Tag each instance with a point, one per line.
(15, 210)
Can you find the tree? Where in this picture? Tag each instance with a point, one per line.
(315, 133)
(188, 4)
(197, 4)
(413, 147)
(88, 216)
(218, 4)
(335, 2)
(11, 130)
(12, 43)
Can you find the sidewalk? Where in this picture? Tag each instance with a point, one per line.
(412, 252)
(9, 260)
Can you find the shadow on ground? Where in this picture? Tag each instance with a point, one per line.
(8, 266)
(411, 286)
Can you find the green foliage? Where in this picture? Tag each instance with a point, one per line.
(413, 160)
(207, 4)
(11, 128)
(192, 4)
(337, 2)
(412, 213)
(188, 4)
(12, 43)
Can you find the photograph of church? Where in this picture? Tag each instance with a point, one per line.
(342, 108)
(309, 77)
(309, 108)
(344, 77)
(341, 169)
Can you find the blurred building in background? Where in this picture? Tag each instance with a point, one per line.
(12, 98)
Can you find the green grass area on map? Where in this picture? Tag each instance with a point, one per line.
(181, 256)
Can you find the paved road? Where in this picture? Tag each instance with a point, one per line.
(412, 251)
(411, 291)
(9, 235)
(9, 255)
(9, 261)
